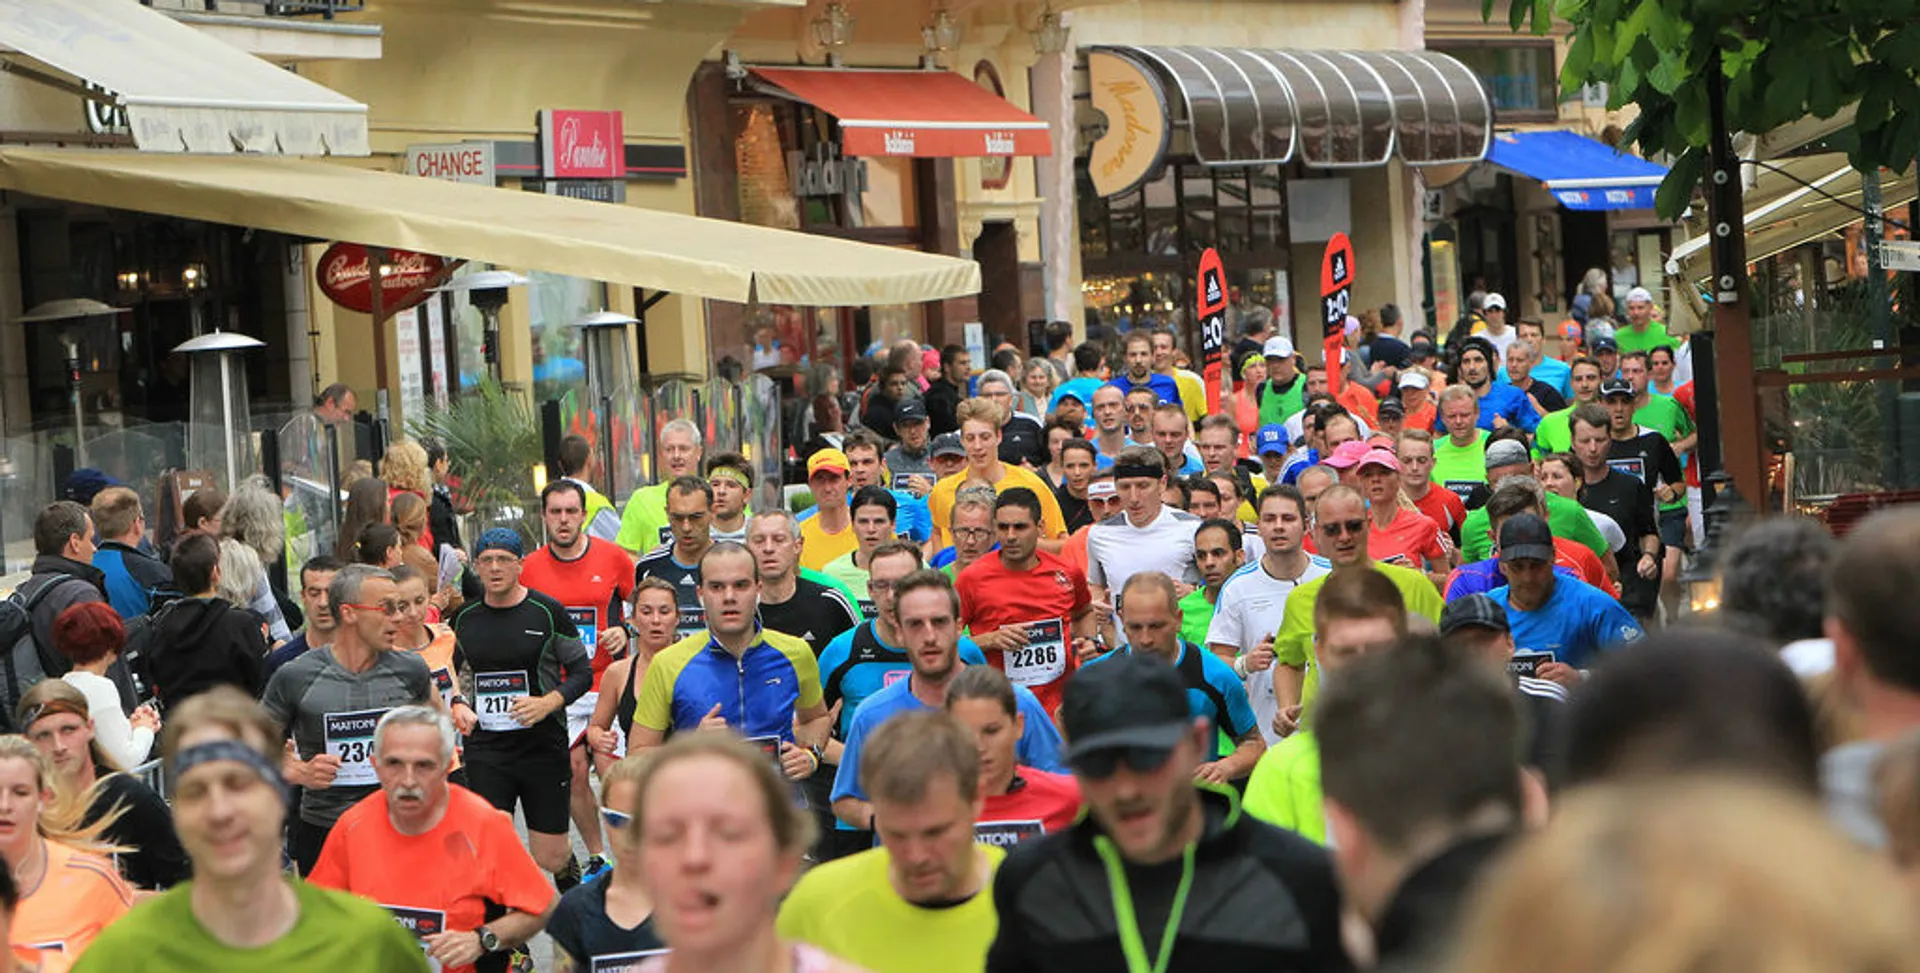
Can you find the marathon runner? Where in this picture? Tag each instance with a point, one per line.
(731, 477)
(656, 616)
(802, 607)
(689, 511)
(522, 663)
(591, 578)
(578, 466)
(608, 921)
(874, 509)
(1253, 600)
(643, 526)
(1018, 802)
(439, 857)
(1147, 535)
(1028, 610)
(69, 890)
(330, 699)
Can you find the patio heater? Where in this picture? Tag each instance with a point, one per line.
(71, 316)
(608, 353)
(487, 291)
(218, 400)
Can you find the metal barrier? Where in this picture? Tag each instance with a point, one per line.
(153, 773)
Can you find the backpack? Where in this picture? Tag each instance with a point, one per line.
(23, 660)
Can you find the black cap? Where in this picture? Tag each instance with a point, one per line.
(1616, 386)
(947, 444)
(1473, 611)
(1391, 405)
(1125, 701)
(1601, 344)
(911, 410)
(1525, 537)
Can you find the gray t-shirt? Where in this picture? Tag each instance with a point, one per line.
(1118, 550)
(327, 708)
(899, 463)
(1846, 788)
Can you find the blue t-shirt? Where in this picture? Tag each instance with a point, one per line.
(1505, 401)
(1039, 746)
(1480, 577)
(1162, 386)
(857, 664)
(1551, 372)
(288, 651)
(1213, 692)
(1081, 388)
(911, 518)
(1577, 622)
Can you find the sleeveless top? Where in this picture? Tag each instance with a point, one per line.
(624, 721)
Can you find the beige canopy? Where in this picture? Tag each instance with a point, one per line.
(657, 250)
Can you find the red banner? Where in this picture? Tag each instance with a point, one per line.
(1336, 286)
(1211, 286)
(582, 144)
(343, 276)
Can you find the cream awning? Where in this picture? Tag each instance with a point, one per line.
(182, 90)
(602, 241)
(1787, 208)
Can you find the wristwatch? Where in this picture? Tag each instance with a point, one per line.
(488, 941)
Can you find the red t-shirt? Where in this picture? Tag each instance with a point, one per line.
(1684, 396)
(438, 881)
(1443, 507)
(1052, 800)
(1412, 535)
(1052, 593)
(1580, 559)
(593, 587)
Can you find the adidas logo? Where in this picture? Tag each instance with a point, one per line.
(687, 579)
(808, 637)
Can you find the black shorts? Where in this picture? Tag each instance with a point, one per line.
(540, 783)
(1673, 529)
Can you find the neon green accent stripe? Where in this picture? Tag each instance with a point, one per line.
(1132, 946)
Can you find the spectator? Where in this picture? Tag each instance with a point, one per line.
(255, 517)
(442, 522)
(134, 579)
(1774, 573)
(202, 641)
(91, 638)
(1871, 617)
(367, 503)
(63, 575)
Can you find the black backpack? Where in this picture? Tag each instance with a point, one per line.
(23, 660)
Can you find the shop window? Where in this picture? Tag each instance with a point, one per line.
(1520, 76)
(1166, 223)
(554, 302)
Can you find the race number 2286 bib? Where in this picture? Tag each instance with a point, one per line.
(1043, 659)
(495, 692)
(349, 738)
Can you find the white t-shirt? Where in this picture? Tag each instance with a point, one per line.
(1249, 609)
(1500, 343)
(1609, 528)
(1117, 550)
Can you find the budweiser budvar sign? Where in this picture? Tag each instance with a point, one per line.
(345, 278)
(582, 145)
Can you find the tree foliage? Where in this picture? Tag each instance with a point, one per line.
(1782, 60)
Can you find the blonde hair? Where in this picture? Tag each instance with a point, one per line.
(405, 467)
(793, 829)
(61, 820)
(626, 770)
(408, 514)
(241, 573)
(1710, 875)
(980, 410)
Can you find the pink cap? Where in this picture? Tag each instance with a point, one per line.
(1348, 455)
(1378, 456)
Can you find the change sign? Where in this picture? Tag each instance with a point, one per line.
(1336, 286)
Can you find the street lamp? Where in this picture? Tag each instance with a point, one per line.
(1050, 35)
(486, 290)
(941, 36)
(1701, 579)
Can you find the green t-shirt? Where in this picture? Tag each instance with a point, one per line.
(1196, 614)
(1666, 417)
(834, 583)
(851, 576)
(1277, 406)
(1555, 433)
(337, 932)
(1564, 516)
(1654, 337)
(1284, 790)
(1459, 464)
(1293, 644)
(643, 523)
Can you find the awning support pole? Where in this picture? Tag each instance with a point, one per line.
(1738, 406)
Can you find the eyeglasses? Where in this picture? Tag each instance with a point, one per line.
(615, 819)
(967, 532)
(1335, 528)
(875, 585)
(388, 608)
(1101, 764)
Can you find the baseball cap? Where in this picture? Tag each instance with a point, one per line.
(1101, 489)
(1277, 348)
(1348, 455)
(86, 483)
(1603, 343)
(1392, 405)
(1616, 386)
(1506, 452)
(1473, 611)
(1127, 702)
(1351, 325)
(500, 539)
(1494, 302)
(1570, 331)
(1599, 329)
(1525, 537)
(1415, 380)
(1380, 456)
(948, 444)
(912, 410)
(827, 459)
(1270, 438)
(1640, 294)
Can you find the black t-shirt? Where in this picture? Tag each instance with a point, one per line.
(1646, 457)
(1023, 441)
(1074, 509)
(659, 563)
(145, 825)
(1390, 350)
(1630, 503)
(580, 926)
(816, 614)
(535, 640)
(1549, 397)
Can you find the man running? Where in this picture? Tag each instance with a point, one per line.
(1253, 600)
(643, 526)
(1148, 535)
(689, 515)
(873, 509)
(1140, 373)
(592, 579)
(731, 477)
(1029, 610)
(1555, 434)
(1626, 498)
(813, 612)
(1499, 405)
(1570, 620)
(577, 466)
(526, 664)
(980, 422)
(829, 532)
(330, 699)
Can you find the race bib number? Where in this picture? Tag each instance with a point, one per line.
(349, 737)
(867, 608)
(422, 923)
(1632, 466)
(624, 962)
(1462, 488)
(584, 619)
(443, 681)
(495, 693)
(771, 747)
(1043, 659)
(1006, 834)
(691, 620)
(1527, 663)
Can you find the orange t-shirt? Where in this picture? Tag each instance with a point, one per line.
(1580, 559)
(1074, 551)
(438, 881)
(593, 588)
(79, 896)
(1412, 535)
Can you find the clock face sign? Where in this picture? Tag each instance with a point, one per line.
(995, 170)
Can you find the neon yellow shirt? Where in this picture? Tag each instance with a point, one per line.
(643, 524)
(1459, 464)
(1284, 790)
(849, 908)
(1193, 393)
(1293, 644)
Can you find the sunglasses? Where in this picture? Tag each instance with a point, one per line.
(1101, 764)
(615, 819)
(1336, 528)
(387, 608)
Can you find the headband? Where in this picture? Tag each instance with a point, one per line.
(217, 750)
(1125, 471)
(51, 707)
(730, 474)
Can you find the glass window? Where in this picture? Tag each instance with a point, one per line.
(1520, 78)
(554, 302)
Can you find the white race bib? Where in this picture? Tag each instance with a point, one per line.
(1006, 834)
(349, 737)
(623, 962)
(422, 923)
(692, 619)
(443, 681)
(1043, 659)
(494, 694)
(584, 619)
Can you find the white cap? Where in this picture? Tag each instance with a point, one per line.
(1277, 347)
(1494, 301)
(1639, 294)
(1411, 379)
(1352, 325)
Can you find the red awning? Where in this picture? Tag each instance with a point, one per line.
(914, 113)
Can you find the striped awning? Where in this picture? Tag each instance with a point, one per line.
(1335, 109)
